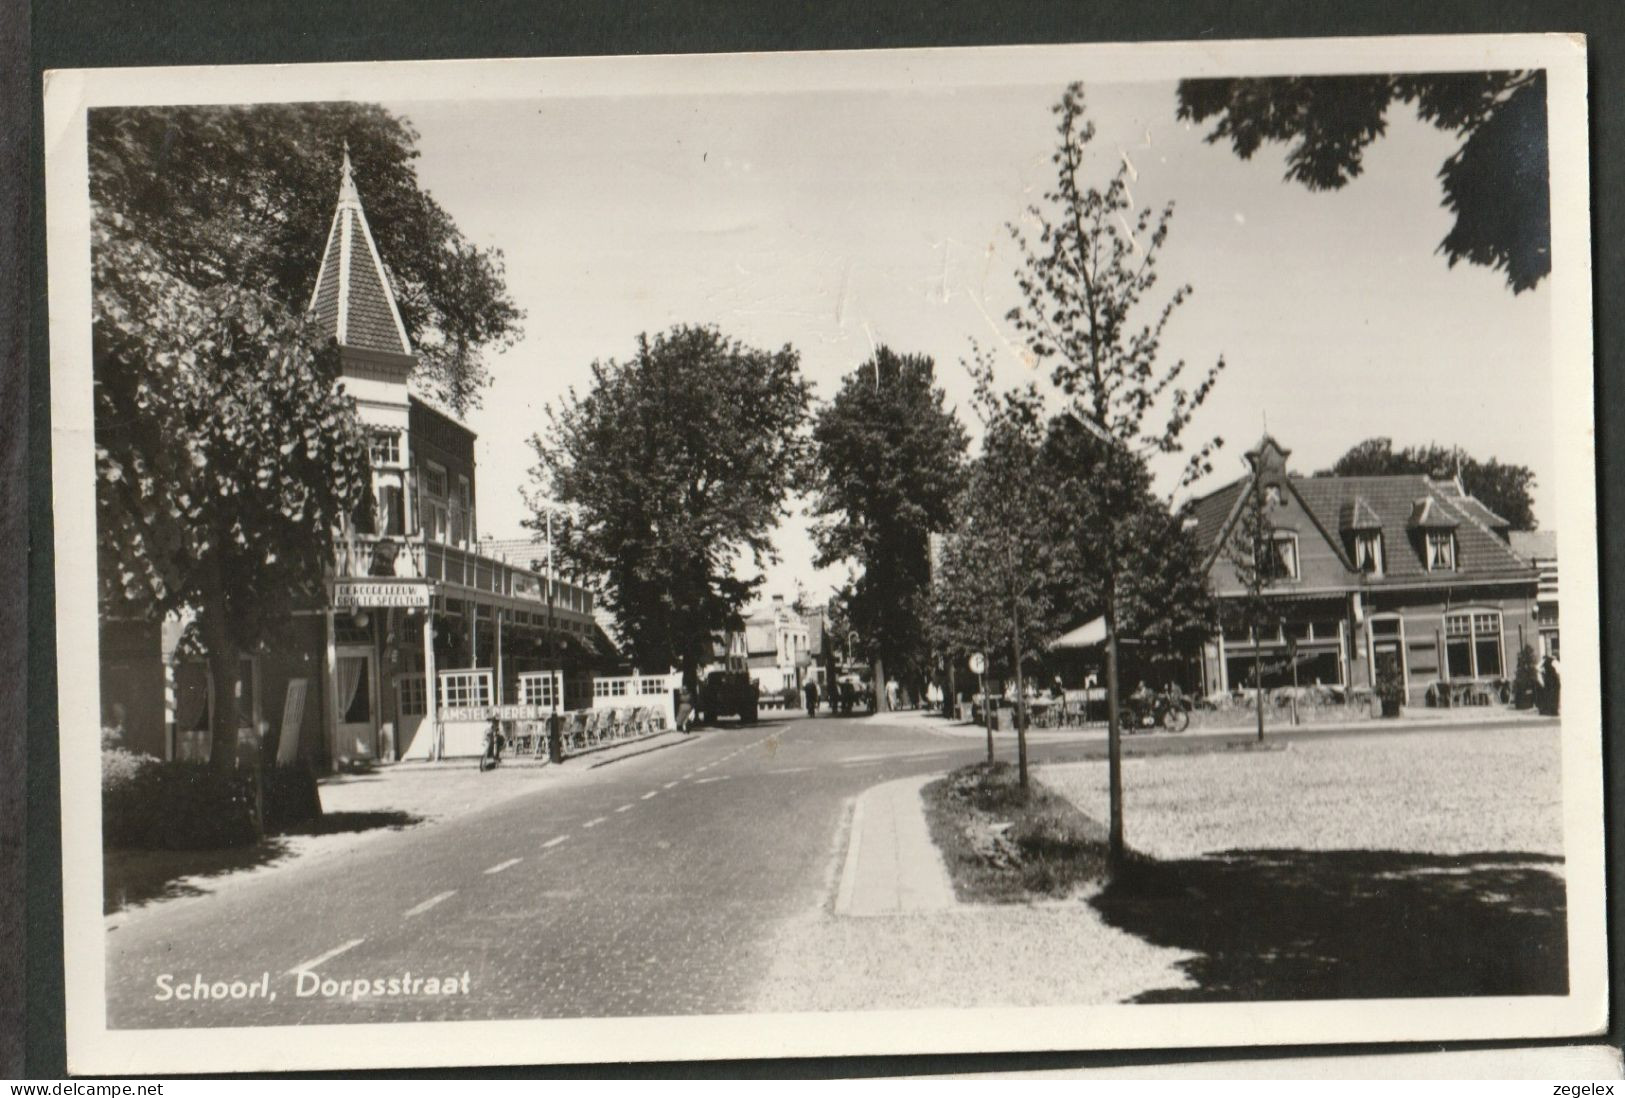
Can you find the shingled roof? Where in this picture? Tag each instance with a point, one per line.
(352, 301)
(1392, 504)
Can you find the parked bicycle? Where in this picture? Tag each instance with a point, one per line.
(495, 741)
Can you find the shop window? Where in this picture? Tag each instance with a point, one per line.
(1473, 645)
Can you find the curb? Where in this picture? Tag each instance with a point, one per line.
(849, 869)
(634, 754)
(910, 887)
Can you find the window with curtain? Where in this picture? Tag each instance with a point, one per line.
(1441, 550)
(1368, 552)
(1281, 560)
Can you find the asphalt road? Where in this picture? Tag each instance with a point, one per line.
(651, 889)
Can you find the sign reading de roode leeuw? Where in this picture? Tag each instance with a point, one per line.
(357, 594)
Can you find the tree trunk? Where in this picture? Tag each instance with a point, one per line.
(882, 703)
(1114, 731)
(1258, 684)
(987, 716)
(1021, 700)
(223, 664)
(691, 672)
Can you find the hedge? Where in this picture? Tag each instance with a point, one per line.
(152, 804)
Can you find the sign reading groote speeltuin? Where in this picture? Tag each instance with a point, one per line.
(350, 594)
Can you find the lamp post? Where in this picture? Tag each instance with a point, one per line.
(555, 746)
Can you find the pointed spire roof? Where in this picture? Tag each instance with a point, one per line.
(1268, 456)
(352, 300)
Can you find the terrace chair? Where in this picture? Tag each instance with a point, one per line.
(575, 729)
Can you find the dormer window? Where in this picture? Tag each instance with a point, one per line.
(1368, 552)
(1440, 547)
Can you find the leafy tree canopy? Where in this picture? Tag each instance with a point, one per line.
(226, 454)
(889, 465)
(1506, 489)
(1496, 182)
(1163, 598)
(674, 466)
(243, 197)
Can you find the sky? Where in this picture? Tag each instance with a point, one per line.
(838, 221)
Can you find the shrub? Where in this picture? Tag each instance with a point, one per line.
(1391, 690)
(151, 804)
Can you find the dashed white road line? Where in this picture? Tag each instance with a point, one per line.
(427, 904)
(328, 956)
(668, 785)
(555, 842)
(500, 866)
(595, 822)
(718, 778)
(623, 808)
(651, 793)
(790, 770)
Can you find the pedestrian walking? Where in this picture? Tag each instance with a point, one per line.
(811, 690)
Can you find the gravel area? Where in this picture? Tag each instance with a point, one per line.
(1053, 954)
(1445, 792)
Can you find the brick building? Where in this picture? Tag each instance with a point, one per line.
(1408, 571)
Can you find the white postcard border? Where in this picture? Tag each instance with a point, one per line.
(93, 1048)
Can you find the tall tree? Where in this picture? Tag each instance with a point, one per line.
(1496, 182)
(1084, 281)
(226, 455)
(674, 467)
(1506, 489)
(967, 613)
(889, 463)
(1001, 559)
(1250, 549)
(242, 197)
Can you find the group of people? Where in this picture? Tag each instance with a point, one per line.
(844, 697)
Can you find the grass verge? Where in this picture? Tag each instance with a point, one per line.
(1003, 844)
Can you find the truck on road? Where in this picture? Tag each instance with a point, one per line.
(729, 694)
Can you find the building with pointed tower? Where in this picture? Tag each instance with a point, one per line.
(1408, 573)
(420, 634)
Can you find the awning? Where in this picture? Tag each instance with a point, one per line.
(1088, 635)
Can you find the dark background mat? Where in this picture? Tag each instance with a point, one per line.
(93, 33)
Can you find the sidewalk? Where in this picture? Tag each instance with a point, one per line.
(898, 939)
(440, 790)
(1412, 717)
(892, 867)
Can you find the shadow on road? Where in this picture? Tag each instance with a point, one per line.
(134, 877)
(1301, 924)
